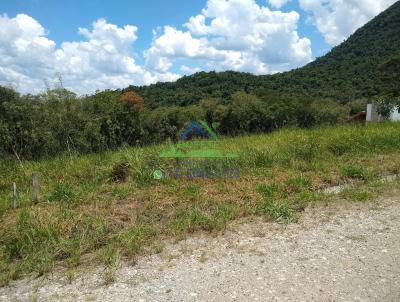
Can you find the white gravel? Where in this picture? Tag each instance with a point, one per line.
(336, 252)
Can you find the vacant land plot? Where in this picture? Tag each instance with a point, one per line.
(336, 252)
(106, 208)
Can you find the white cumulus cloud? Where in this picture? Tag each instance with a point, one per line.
(105, 59)
(278, 3)
(338, 19)
(233, 35)
(25, 52)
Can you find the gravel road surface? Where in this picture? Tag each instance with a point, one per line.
(336, 252)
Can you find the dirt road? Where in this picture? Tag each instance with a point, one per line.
(336, 252)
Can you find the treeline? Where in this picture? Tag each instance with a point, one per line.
(57, 122)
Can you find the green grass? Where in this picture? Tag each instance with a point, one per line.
(111, 259)
(353, 171)
(102, 208)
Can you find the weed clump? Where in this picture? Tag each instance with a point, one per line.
(120, 172)
(297, 184)
(133, 240)
(111, 259)
(61, 192)
(360, 195)
(267, 190)
(353, 171)
(280, 211)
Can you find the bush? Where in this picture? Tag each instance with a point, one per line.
(326, 112)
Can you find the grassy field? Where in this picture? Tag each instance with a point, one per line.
(106, 207)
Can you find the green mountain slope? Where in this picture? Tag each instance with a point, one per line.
(349, 71)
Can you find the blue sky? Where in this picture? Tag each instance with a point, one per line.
(257, 36)
(63, 18)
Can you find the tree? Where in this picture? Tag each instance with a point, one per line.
(132, 98)
(7, 95)
(246, 113)
(327, 112)
(210, 106)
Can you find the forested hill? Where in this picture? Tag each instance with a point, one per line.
(355, 69)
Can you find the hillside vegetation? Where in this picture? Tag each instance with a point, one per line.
(350, 71)
(105, 207)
